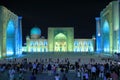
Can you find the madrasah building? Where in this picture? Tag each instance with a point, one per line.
(60, 39)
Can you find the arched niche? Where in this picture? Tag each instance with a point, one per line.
(106, 36)
(60, 44)
(10, 38)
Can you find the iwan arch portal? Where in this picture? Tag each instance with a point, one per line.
(61, 39)
(11, 33)
(108, 29)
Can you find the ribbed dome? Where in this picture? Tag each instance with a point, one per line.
(35, 31)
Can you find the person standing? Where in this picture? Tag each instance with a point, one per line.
(114, 75)
(78, 73)
(101, 73)
(34, 66)
(11, 73)
(86, 75)
(20, 77)
(49, 68)
(93, 71)
(57, 77)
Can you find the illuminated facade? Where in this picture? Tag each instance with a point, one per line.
(36, 43)
(84, 45)
(108, 29)
(59, 40)
(11, 35)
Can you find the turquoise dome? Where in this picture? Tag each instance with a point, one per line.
(35, 31)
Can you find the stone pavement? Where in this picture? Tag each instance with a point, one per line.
(43, 76)
(84, 57)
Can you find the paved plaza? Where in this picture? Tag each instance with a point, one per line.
(42, 76)
(72, 56)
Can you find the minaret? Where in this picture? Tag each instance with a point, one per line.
(98, 35)
(20, 34)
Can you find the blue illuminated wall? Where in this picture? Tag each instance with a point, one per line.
(98, 34)
(84, 45)
(106, 39)
(10, 40)
(102, 36)
(37, 45)
(108, 29)
(11, 33)
(18, 37)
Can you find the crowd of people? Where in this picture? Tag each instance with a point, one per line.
(60, 68)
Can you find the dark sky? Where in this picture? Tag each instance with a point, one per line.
(44, 14)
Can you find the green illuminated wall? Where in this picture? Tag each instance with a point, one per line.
(67, 32)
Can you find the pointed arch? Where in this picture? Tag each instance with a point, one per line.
(106, 36)
(60, 43)
(10, 38)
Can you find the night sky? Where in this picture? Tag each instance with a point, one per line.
(44, 14)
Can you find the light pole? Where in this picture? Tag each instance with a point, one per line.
(93, 37)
